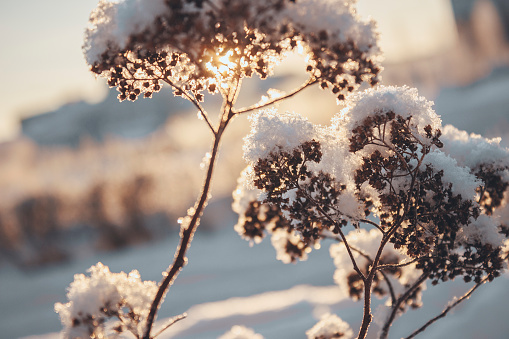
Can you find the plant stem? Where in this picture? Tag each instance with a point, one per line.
(187, 233)
(396, 306)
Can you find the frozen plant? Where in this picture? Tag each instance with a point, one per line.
(378, 165)
(103, 296)
(425, 206)
(198, 46)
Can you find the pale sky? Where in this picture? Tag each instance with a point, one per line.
(42, 66)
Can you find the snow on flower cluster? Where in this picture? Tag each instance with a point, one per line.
(462, 180)
(112, 23)
(273, 131)
(257, 219)
(382, 155)
(484, 230)
(94, 299)
(472, 150)
(330, 327)
(241, 332)
(197, 45)
(402, 101)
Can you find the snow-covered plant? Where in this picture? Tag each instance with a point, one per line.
(378, 166)
(106, 304)
(198, 46)
(424, 205)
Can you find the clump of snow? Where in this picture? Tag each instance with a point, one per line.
(241, 332)
(338, 18)
(483, 230)
(95, 298)
(463, 182)
(113, 22)
(329, 327)
(337, 160)
(272, 131)
(473, 150)
(403, 101)
(280, 240)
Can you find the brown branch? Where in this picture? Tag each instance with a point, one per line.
(396, 306)
(195, 102)
(187, 233)
(366, 221)
(447, 309)
(390, 266)
(170, 323)
(306, 84)
(337, 227)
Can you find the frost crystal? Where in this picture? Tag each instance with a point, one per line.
(330, 327)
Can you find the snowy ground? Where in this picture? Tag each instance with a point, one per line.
(227, 282)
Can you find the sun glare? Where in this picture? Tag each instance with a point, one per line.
(222, 65)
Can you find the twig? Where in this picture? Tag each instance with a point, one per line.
(389, 266)
(170, 323)
(336, 227)
(389, 285)
(195, 102)
(447, 309)
(187, 234)
(306, 84)
(396, 306)
(366, 221)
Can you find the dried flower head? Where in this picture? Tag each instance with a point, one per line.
(197, 45)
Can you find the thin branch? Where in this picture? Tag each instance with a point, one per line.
(390, 266)
(338, 228)
(397, 305)
(366, 221)
(187, 233)
(195, 102)
(306, 84)
(389, 285)
(170, 323)
(447, 309)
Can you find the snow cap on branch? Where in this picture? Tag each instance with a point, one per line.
(402, 101)
(463, 182)
(473, 150)
(272, 131)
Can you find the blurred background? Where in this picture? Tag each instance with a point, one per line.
(83, 176)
